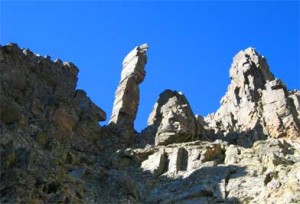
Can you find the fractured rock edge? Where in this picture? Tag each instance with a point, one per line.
(256, 104)
(127, 94)
(53, 150)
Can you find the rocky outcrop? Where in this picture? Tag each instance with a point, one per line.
(35, 89)
(172, 119)
(294, 95)
(155, 164)
(53, 150)
(46, 128)
(271, 175)
(218, 172)
(127, 95)
(256, 104)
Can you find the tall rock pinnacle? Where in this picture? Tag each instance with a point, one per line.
(53, 149)
(127, 94)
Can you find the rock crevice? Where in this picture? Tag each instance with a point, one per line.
(53, 149)
(255, 103)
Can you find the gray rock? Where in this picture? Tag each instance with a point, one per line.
(44, 123)
(10, 111)
(155, 164)
(279, 112)
(173, 119)
(255, 105)
(177, 161)
(295, 96)
(127, 94)
(54, 151)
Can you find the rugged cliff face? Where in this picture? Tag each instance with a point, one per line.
(256, 105)
(54, 151)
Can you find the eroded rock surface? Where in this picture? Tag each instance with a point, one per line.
(294, 95)
(127, 94)
(172, 119)
(54, 151)
(218, 172)
(47, 128)
(256, 104)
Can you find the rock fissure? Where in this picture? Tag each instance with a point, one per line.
(127, 95)
(53, 149)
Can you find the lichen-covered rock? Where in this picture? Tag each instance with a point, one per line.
(256, 104)
(172, 119)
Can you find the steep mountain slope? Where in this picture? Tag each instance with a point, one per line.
(54, 151)
(256, 103)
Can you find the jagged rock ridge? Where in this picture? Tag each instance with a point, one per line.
(54, 151)
(46, 128)
(256, 105)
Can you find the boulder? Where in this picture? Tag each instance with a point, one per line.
(173, 119)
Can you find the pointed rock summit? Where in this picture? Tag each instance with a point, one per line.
(256, 103)
(53, 149)
(127, 95)
(172, 119)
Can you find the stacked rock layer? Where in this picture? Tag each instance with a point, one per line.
(53, 149)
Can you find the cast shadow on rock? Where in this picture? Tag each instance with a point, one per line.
(128, 182)
(204, 185)
(244, 139)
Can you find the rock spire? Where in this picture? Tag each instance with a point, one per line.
(256, 103)
(127, 94)
(53, 149)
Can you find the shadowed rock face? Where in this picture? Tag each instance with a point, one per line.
(255, 102)
(127, 94)
(34, 88)
(53, 150)
(46, 126)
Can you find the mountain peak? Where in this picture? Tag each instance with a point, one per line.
(255, 99)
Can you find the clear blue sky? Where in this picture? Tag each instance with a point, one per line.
(192, 43)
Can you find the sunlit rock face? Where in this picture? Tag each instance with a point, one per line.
(256, 103)
(127, 95)
(53, 149)
(172, 119)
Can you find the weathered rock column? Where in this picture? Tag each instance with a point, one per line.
(127, 95)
